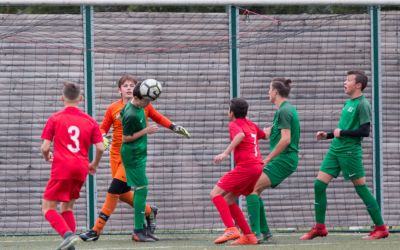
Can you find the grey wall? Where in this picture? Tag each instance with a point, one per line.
(188, 53)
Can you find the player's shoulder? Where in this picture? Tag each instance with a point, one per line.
(116, 104)
(80, 114)
(149, 107)
(364, 101)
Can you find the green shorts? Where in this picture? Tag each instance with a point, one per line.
(281, 167)
(352, 167)
(136, 177)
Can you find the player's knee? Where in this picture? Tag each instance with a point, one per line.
(118, 187)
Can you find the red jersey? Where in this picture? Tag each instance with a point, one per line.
(72, 132)
(247, 151)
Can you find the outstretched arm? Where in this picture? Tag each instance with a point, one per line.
(165, 122)
(236, 140)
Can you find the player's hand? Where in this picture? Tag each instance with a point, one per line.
(219, 158)
(336, 132)
(267, 132)
(151, 129)
(92, 168)
(321, 135)
(106, 143)
(181, 130)
(49, 157)
(266, 160)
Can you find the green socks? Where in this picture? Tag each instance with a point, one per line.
(362, 191)
(139, 203)
(253, 209)
(320, 201)
(263, 218)
(256, 211)
(371, 203)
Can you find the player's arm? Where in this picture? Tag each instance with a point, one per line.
(236, 140)
(282, 144)
(45, 148)
(157, 117)
(96, 161)
(107, 121)
(267, 132)
(362, 131)
(165, 122)
(147, 130)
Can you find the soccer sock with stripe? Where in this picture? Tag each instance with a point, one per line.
(139, 201)
(108, 208)
(128, 199)
(238, 216)
(69, 219)
(223, 210)
(371, 203)
(320, 201)
(263, 218)
(253, 209)
(57, 222)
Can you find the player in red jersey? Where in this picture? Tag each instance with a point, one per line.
(244, 136)
(119, 190)
(72, 132)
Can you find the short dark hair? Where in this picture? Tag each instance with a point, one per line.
(239, 107)
(71, 91)
(126, 77)
(136, 91)
(282, 85)
(361, 77)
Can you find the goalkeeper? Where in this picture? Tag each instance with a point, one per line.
(119, 190)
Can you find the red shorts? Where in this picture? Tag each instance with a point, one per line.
(241, 180)
(62, 190)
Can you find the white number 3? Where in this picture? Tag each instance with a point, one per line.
(74, 132)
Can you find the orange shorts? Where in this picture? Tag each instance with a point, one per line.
(62, 190)
(117, 168)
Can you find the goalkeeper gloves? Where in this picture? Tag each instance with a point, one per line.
(106, 143)
(180, 130)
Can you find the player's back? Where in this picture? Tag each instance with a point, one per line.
(247, 151)
(72, 132)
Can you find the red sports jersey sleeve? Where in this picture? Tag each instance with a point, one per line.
(247, 151)
(72, 132)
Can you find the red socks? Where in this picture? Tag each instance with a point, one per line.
(238, 216)
(57, 222)
(223, 210)
(69, 219)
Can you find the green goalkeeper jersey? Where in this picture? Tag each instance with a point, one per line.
(134, 154)
(286, 117)
(355, 113)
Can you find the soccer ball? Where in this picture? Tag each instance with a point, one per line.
(151, 89)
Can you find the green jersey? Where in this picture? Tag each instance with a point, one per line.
(134, 154)
(355, 113)
(286, 117)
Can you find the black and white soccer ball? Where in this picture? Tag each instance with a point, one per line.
(151, 89)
